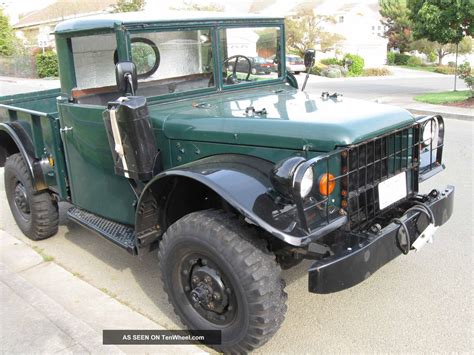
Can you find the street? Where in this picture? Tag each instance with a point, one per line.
(422, 302)
(396, 89)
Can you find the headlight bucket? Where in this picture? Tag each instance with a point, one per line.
(283, 174)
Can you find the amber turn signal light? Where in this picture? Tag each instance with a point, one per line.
(327, 183)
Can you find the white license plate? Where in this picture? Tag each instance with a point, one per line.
(392, 190)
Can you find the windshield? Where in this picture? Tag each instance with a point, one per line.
(248, 54)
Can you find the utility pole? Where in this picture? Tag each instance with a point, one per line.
(456, 66)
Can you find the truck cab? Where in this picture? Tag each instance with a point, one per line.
(159, 142)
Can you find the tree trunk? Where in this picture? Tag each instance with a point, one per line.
(441, 55)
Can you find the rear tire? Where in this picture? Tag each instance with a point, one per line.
(36, 214)
(207, 252)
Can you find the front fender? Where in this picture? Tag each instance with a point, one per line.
(242, 181)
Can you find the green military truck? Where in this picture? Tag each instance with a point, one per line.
(157, 142)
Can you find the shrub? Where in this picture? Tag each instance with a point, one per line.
(356, 66)
(452, 64)
(377, 72)
(331, 61)
(401, 59)
(47, 64)
(444, 70)
(333, 71)
(414, 61)
(431, 57)
(317, 68)
(465, 73)
(391, 58)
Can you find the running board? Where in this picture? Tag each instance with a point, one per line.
(119, 234)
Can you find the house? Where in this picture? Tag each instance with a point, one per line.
(359, 22)
(37, 26)
(360, 25)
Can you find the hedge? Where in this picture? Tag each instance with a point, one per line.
(47, 64)
(401, 59)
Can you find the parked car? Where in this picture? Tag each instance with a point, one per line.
(232, 179)
(258, 65)
(294, 64)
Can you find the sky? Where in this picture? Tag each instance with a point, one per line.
(14, 8)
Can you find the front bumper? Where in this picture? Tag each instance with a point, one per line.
(366, 253)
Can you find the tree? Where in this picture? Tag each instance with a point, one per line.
(398, 24)
(189, 5)
(442, 21)
(7, 38)
(425, 46)
(329, 40)
(129, 5)
(304, 30)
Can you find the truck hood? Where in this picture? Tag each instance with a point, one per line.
(294, 119)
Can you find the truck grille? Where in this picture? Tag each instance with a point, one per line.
(365, 165)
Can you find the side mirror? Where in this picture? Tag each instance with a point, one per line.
(309, 56)
(126, 77)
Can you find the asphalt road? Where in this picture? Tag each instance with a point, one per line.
(396, 89)
(420, 302)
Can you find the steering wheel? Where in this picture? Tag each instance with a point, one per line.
(232, 79)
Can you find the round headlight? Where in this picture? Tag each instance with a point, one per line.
(306, 182)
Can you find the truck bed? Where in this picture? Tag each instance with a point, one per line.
(41, 101)
(31, 120)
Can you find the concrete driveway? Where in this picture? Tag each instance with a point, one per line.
(422, 302)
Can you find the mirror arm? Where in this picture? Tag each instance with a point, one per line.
(307, 75)
(128, 76)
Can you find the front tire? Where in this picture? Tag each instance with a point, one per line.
(36, 214)
(217, 276)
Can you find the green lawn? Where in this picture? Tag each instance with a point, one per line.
(430, 68)
(445, 97)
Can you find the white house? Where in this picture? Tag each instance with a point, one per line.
(360, 24)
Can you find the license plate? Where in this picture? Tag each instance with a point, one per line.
(392, 190)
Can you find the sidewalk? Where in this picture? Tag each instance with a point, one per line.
(46, 309)
(420, 108)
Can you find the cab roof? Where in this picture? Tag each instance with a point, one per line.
(110, 21)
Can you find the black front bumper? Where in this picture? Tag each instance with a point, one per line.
(369, 252)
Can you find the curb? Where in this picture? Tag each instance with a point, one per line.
(450, 115)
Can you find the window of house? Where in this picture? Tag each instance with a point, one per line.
(341, 18)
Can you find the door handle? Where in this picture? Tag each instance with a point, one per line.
(65, 129)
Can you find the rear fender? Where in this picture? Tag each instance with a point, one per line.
(14, 139)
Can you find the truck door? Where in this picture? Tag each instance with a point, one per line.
(93, 183)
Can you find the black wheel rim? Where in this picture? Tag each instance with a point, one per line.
(22, 202)
(207, 289)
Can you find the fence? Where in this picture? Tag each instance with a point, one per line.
(18, 66)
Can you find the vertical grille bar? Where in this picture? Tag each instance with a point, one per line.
(393, 153)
